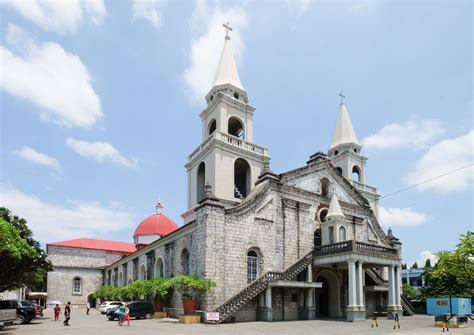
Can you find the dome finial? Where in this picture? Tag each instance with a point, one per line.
(159, 207)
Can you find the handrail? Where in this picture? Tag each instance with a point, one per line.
(253, 289)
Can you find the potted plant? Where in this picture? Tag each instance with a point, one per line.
(190, 287)
(159, 287)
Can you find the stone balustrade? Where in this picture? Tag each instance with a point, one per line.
(357, 247)
(229, 139)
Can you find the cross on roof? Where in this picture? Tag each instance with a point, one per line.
(342, 97)
(227, 28)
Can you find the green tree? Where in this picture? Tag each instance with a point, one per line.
(428, 263)
(404, 266)
(24, 262)
(415, 265)
(453, 274)
(410, 291)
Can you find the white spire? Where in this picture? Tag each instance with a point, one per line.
(226, 72)
(334, 208)
(344, 132)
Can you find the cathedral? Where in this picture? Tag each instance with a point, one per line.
(298, 245)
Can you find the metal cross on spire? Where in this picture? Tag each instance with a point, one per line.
(342, 97)
(227, 28)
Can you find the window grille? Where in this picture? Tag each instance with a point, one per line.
(76, 286)
(252, 266)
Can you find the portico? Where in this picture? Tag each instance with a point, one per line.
(355, 258)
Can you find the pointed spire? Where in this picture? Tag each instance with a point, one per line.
(227, 72)
(344, 132)
(334, 208)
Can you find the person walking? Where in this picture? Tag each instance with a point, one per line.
(121, 313)
(127, 315)
(57, 311)
(67, 314)
(88, 306)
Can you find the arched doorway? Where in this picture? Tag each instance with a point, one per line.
(327, 297)
(201, 180)
(322, 299)
(241, 178)
(317, 237)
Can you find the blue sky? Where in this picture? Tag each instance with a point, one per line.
(100, 104)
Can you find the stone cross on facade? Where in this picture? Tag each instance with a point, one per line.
(227, 28)
(342, 97)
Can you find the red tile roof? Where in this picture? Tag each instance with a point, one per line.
(91, 243)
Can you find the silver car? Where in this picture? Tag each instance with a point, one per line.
(108, 305)
(7, 312)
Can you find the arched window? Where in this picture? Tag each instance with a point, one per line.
(322, 214)
(241, 178)
(317, 238)
(185, 261)
(235, 128)
(252, 266)
(201, 179)
(212, 127)
(142, 272)
(342, 233)
(120, 279)
(356, 173)
(339, 170)
(77, 285)
(324, 187)
(159, 268)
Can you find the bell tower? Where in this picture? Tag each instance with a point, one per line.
(346, 157)
(227, 159)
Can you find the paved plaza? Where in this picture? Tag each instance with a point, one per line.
(96, 323)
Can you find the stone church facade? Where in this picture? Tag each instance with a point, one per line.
(303, 244)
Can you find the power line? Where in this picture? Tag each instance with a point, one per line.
(428, 180)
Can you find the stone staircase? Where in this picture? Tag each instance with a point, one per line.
(406, 304)
(237, 193)
(257, 286)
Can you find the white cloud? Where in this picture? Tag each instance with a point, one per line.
(150, 10)
(300, 5)
(411, 134)
(424, 255)
(48, 76)
(100, 151)
(60, 16)
(50, 222)
(207, 43)
(39, 158)
(390, 217)
(441, 158)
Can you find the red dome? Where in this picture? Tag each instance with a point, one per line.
(156, 224)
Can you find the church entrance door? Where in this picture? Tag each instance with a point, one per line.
(322, 299)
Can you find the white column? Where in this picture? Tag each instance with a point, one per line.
(391, 285)
(268, 297)
(398, 277)
(360, 284)
(352, 283)
(310, 273)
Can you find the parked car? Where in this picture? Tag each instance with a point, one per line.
(25, 312)
(138, 309)
(108, 305)
(7, 312)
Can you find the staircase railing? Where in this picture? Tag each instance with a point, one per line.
(240, 299)
(406, 304)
